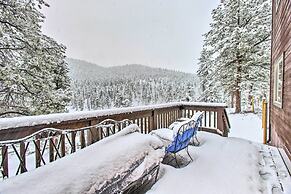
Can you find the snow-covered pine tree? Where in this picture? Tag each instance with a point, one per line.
(33, 76)
(236, 54)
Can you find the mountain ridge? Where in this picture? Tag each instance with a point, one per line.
(83, 70)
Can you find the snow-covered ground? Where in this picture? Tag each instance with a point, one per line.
(226, 166)
(247, 126)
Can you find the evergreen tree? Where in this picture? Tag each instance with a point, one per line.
(236, 54)
(33, 76)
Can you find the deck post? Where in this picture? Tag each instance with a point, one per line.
(51, 149)
(89, 134)
(153, 121)
(37, 154)
(220, 121)
(4, 161)
(94, 131)
(22, 157)
(63, 145)
(264, 120)
(180, 111)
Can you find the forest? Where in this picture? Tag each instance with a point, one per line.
(129, 85)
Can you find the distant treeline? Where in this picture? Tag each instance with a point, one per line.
(130, 85)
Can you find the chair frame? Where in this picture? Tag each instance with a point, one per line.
(179, 143)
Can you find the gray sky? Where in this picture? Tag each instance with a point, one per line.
(158, 33)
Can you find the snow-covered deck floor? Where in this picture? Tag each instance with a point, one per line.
(226, 166)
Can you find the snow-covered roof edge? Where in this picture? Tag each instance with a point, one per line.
(6, 123)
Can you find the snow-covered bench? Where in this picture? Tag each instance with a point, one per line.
(112, 165)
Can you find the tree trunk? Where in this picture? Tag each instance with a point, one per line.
(237, 93)
(250, 96)
(232, 100)
(237, 101)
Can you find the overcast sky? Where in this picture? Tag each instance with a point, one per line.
(159, 33)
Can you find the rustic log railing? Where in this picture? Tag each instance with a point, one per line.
(30, 142)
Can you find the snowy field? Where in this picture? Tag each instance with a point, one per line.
(226, 166)
(247, 126)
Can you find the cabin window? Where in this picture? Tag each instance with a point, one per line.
(277, 4)
(278, 81)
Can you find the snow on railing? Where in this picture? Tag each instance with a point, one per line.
(26, 121)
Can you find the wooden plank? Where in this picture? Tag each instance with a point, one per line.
(145, 125)
(89, 134)
(73, 141)
(148, 125)
(167, 119)
(215, 119)
(23, 157)
(82, 139)
(37, 154)
(209, 118)
(141, 125)
(94, 131)
(99, 133)
(51, 150)
(219, 120)
(205, 117)
(154, 120)
(4, 162)
(63, 145)
(159, 121)
(180, 112)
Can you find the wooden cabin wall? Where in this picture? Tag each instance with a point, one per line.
(280, 118)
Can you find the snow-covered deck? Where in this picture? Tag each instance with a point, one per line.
(222, 165)
(25, 139)
(226, 166)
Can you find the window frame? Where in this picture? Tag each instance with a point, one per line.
(276, 81)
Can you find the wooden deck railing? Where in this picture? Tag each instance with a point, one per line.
(30, 142)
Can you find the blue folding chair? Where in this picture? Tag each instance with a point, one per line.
(181, 141)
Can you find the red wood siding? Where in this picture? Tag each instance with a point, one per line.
(280, 118)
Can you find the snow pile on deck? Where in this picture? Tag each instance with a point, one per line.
(226, 166)
(92, 169)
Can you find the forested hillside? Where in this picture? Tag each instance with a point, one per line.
(97, 87)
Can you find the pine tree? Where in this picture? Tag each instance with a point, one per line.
(33, 76)
(238, 49)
